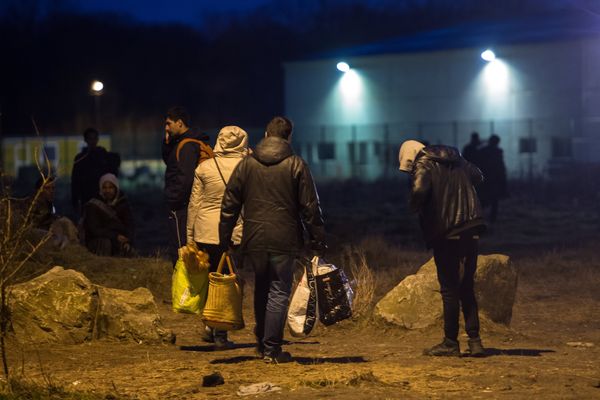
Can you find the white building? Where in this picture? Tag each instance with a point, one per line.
(541, 95)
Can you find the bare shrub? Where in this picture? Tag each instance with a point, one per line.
(362, 279)
(18, 243)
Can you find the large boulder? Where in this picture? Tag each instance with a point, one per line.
(55, 307)
(130, 314)
(63, 306)
(416, 301)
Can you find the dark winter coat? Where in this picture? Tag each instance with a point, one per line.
(491, 162)
(279, 198)
(179, 175)
(105, 221)
(443, 193)
(89, 166)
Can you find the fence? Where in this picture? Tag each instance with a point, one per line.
(533, 148)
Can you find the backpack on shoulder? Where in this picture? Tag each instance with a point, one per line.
(206, 151)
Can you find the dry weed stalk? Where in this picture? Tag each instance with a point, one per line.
(17, 246)
(363, 281)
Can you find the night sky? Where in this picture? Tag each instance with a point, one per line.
(181, 11)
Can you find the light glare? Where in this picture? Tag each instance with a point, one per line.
(488, 55)
(343, 66)
(97, 86)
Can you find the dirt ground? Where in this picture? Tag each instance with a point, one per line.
(551, 349)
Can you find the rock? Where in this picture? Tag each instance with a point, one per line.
(55, 307)
(213, 379)
(63, 306)
(130, 314)
(496, 287)
(416, 303)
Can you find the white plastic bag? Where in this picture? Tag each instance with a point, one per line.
(302, 313)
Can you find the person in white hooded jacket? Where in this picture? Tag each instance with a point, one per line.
(204, 208)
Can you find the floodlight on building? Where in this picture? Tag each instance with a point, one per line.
(343, 66)
(488, 55)
(97, 87)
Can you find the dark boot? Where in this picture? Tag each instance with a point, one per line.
(221, 341)
(281, 357)
(207, 335)
(448, 347)
(476, 348)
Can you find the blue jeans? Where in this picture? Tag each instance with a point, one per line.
(273, 274)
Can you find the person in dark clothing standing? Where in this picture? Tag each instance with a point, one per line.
(181, 158)
(90, 164)
(471, 150)
(276, 190)
(491, 162)
(443, 194)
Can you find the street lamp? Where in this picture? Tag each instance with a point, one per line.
(488, 55)
(97, 87)
(96, 90)
(343, 66)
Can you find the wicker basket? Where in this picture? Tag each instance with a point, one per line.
(223, 309)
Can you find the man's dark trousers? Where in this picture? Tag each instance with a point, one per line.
(273, 274)
(177, 232)
(458, 291)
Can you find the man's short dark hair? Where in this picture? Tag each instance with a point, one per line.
(90, 132)
(280, 127)
(179, 113)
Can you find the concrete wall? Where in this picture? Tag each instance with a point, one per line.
(541, 91)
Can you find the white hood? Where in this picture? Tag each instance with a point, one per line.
(408, 153)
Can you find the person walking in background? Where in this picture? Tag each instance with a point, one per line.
(181, 153)
(471, 150)
(276, 190)
(107, 221)
(443, 194)
(204, 209)
(494, 187)
(89, 165)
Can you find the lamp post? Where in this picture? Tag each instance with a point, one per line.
(96, 90)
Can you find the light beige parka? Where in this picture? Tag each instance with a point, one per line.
(204, 209)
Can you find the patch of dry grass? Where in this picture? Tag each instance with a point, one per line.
(357, 378)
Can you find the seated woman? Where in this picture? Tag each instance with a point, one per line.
(107, 220)
(44, 217)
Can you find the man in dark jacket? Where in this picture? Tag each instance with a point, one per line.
(181, 160)
(491, 162)
(90, 164)
(444, 196)
(277, 192)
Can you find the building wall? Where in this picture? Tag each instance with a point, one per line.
(23, 151)
(532, 93)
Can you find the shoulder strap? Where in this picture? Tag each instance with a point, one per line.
(205, 150)
(219, 169)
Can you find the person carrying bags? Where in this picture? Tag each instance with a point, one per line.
(210, 180)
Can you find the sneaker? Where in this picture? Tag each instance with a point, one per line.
(476, 348)
(259, 350)
(223, 344)
(281, 358)
(448, 347)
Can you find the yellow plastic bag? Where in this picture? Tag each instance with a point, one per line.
(223, 308)
(189, 288)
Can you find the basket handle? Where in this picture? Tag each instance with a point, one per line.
(226, 257)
